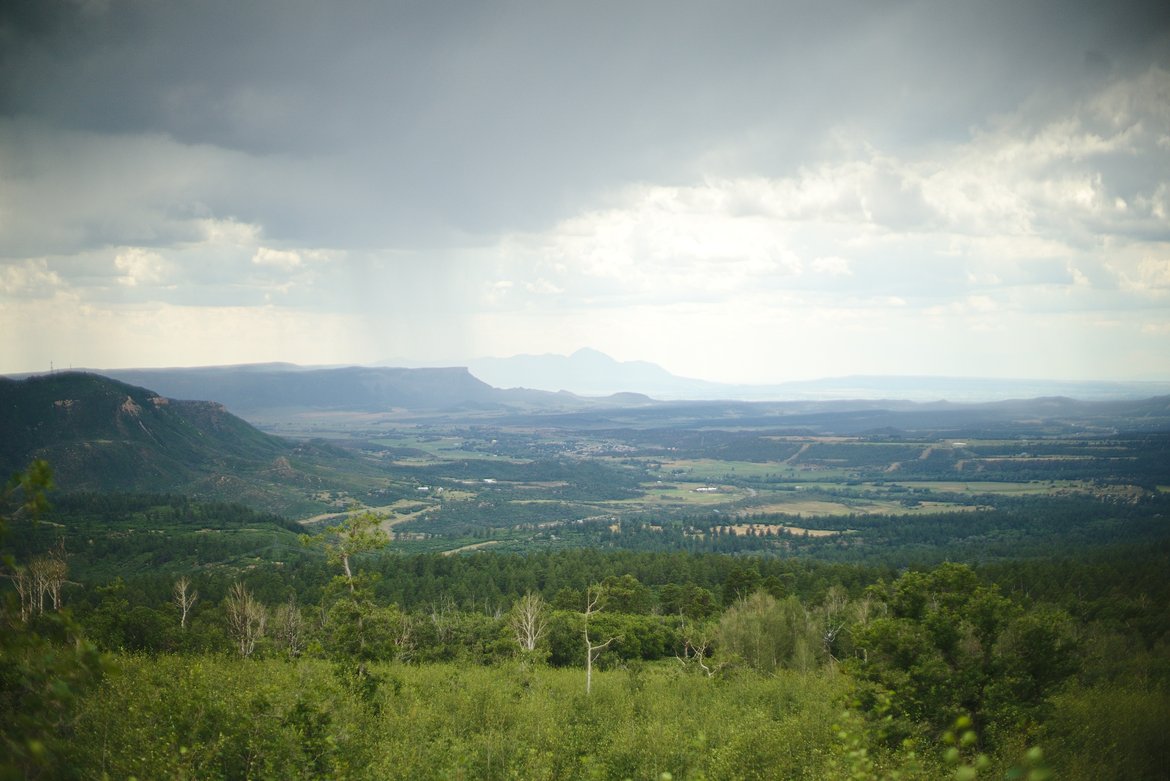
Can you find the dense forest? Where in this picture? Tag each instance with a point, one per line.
(237, 645)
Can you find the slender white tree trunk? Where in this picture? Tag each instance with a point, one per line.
(185, 598)
(592, 651)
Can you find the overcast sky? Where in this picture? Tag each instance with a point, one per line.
(738, 191)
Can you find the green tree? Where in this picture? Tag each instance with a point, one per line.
(689, 600)
(357, 631)
(625, 594)
(951, 647)
(741, 582)
(359, 533)
(106, 623)
(768, 633)
(45, 665)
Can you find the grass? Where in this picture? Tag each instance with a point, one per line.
(974, 487)
(686, 495)
(805, 507)
(711, 468)
(393, 513)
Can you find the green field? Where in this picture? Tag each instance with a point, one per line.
(825, 507)
(974, 487)
(711, 469)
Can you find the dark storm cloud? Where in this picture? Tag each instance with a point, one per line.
(401, 123)
(345, 181)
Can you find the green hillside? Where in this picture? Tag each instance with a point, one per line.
(107, 436)
(103, 434)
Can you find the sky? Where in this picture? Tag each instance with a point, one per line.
(737, 191)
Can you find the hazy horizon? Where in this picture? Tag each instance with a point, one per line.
(739, 193)
(590, 373)
(467, 362)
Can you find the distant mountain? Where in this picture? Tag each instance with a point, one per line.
(592, 373)
(250, 388)
(269, 394)
(1040, 417)
(970, 390)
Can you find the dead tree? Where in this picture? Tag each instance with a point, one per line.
(528, 621)
(185, 598)
(38, 571)
(696, 647)
(246, 619)
(444, 617)
(42, 574)
(592, 596)
(289, 628)
(55, 571)
(42, 578)
(836, 601)
(865, 608)
(404, 637)
(23, 582)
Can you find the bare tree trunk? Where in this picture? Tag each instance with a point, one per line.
(38, 571)
(348, 572)
(56, 570)
(404, 638)
(246, 619)
(696, 644)
(47, 575)
(185, 598)
(289, 628)
(592, 651)
(527, 621)
(23, 584)
(864, 609)
(443, 618)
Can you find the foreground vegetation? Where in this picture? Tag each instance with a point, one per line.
(187, 640)
(214, 717)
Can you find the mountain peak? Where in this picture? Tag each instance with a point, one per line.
(588, 353)
(586, 371)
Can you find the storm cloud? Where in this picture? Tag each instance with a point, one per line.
(741, 191)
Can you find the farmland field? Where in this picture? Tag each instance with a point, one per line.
(538, 487)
